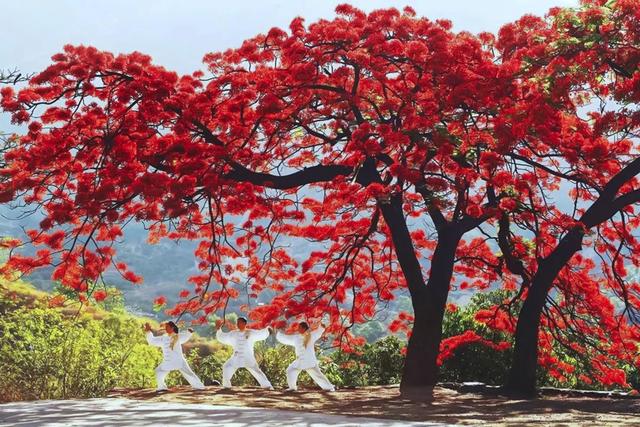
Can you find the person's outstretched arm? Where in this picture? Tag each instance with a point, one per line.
(285, 339)
(222, 336)
(184, 336)
(317, 332)
(260, 334)
(151, 339)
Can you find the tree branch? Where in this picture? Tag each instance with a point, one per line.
(313, 174)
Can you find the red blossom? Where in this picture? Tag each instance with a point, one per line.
(100, 295)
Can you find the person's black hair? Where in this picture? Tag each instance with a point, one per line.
(241, 319)
(173, 326)
(305, 325)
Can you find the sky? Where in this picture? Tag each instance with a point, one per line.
(177, 34)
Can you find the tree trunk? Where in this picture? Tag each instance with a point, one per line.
(521, 380)
(420, 373)
(522, 374)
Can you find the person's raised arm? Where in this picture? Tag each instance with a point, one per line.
(184, 336)
(222, 336)
(285, 339)
(151, 339)
(260, 334)
(317, 332)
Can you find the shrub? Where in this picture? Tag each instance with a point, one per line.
(47, 356)
(475, 361)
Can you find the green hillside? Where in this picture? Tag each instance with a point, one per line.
(73, 351)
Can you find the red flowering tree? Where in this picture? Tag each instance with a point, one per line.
(345, 133)
(587, 305)
(9, 77)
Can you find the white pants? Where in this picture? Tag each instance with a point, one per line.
(231, 366)
(314, 372)
(163, 370)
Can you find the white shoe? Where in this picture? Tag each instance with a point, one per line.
(291, 389)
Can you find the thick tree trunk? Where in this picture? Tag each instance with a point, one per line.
(428, 299)
(420, 373)
(522, 374)
(420, 368)
(521, 380)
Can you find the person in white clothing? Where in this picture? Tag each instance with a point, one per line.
(242, 340)
(304, 342)
(172, 357)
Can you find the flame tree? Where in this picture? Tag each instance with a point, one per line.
(382, 138)
(587, 305)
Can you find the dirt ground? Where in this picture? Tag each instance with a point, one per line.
(448, 406)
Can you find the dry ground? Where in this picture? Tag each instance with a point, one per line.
(448, 406)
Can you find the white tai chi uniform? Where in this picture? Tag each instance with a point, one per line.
(173, 359)
(242, 343)
(305, 359)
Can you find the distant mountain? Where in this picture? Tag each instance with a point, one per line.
(165, 266)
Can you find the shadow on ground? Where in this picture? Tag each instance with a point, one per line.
(448, 406)
(117, 412)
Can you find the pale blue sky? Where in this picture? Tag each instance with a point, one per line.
(178, 33)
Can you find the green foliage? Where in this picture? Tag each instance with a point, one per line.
(208, 368)
(475, 361)
(68, 293)
(274, 362)
(114, 301)
(48, 356)
(350, 369)
(372, 331)
(378, 363)
(385, 361)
